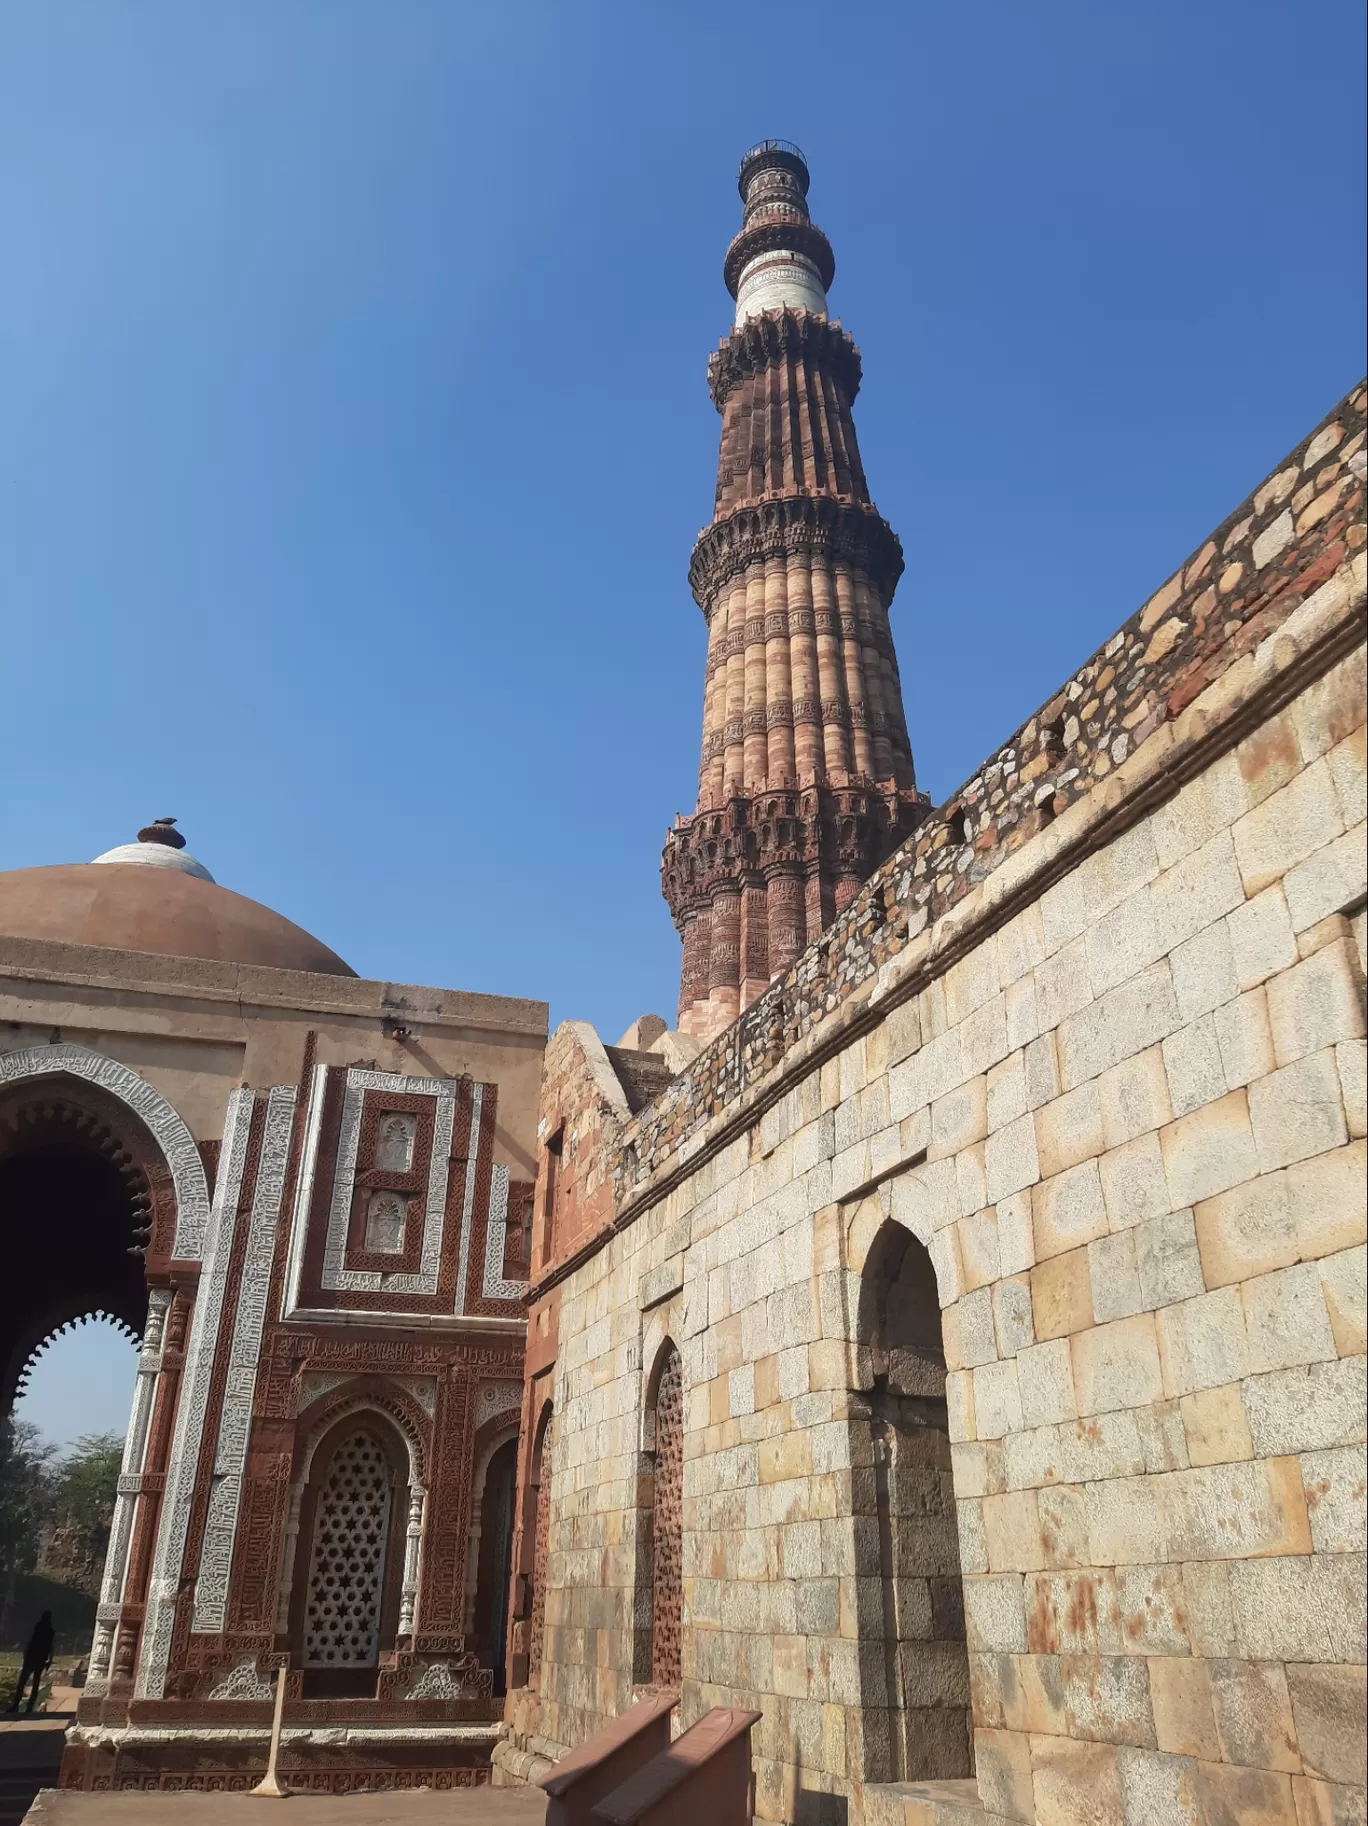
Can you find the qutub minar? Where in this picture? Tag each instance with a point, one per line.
(935, 1370)
(805, 782)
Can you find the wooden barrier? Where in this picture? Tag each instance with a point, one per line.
(704, 1776)
(607, 1760)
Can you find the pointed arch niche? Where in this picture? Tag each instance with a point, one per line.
(539, 1506)
(489, 1549)
(354, 1552)
(658, 1611)
(910, 1618)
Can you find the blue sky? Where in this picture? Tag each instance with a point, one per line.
(355, 432)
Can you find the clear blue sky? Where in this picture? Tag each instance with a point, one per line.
(355, 431)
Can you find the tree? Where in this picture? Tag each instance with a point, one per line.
(84, 1484)
(25, 1493)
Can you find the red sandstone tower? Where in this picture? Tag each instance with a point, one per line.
(806, 780)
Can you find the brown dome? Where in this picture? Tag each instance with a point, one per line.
(129, 907)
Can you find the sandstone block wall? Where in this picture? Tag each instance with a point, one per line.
(1109, 1071)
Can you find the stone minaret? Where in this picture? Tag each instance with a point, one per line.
(806, 781)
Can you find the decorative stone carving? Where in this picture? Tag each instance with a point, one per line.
(495, 1287)
(190, 1414)
(242, 1681)
(167, 1129)
(235, 1418)
(460, 1677)
(386, 1216)
(394, 1144)
(848, 532)
(497, 1398)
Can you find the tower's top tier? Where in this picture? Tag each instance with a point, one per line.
(780, 259)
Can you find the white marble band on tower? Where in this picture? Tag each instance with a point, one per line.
(780, 260)
(779, 280)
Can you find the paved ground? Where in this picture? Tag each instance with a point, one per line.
(407, 1807)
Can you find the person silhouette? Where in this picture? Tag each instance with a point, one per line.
(36, 1658)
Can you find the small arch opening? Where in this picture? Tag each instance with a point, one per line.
(659, 1611)
(919, 1696)
(494, 1560)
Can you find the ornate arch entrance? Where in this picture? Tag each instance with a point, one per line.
(82, 1184)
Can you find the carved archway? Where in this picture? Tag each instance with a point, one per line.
(348, 1590)
(489, 1551)
(318, 1428)
(84, 1190)
(173, 1144)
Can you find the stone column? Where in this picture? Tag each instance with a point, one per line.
(130, 1490)
(413, 1540)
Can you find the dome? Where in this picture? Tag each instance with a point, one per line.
(152, 896)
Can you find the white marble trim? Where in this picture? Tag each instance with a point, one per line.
(167, 1128)
(336, 1277)
(496, 1237)
(235, 1419)
(155, 1651)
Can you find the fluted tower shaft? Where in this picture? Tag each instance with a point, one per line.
(805, 781)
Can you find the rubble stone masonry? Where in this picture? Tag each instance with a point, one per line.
(1094, 1038)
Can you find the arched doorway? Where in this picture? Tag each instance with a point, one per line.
(345, 1605)
(75, 1215)
(660, 1568)
(493, 1554)
(916, 1691)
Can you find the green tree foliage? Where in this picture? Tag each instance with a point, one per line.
(81, 1506)
(25, 1494)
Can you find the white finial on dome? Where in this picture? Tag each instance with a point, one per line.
(159, 846)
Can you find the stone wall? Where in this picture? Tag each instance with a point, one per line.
(1096, 1041)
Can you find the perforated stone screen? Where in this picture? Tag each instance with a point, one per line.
(347, 1572)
